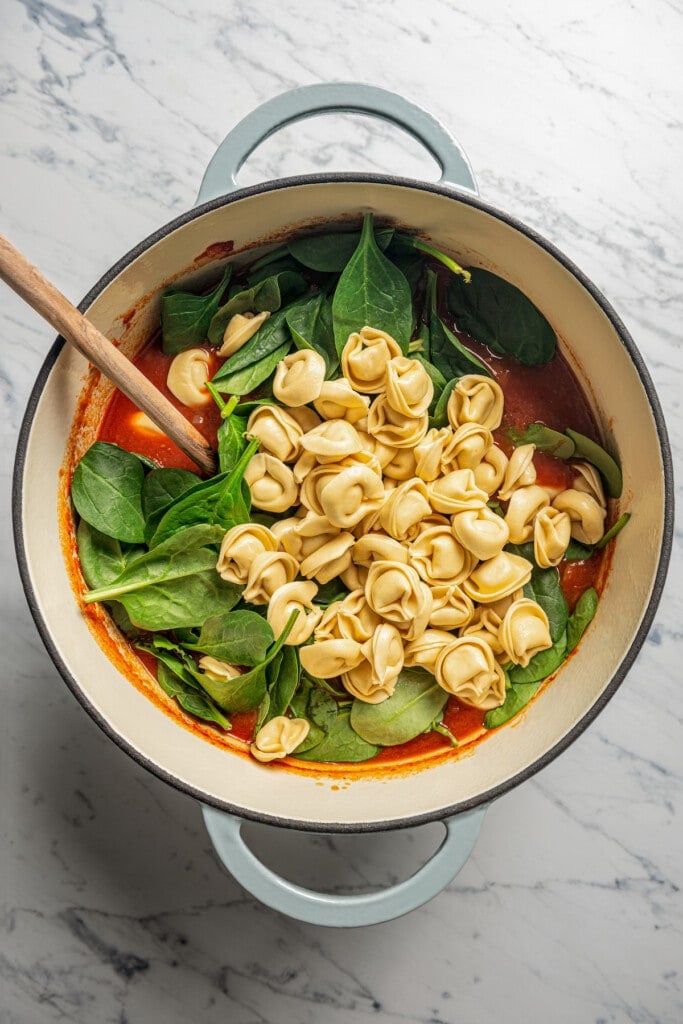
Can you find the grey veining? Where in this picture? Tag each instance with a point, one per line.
(112, 905)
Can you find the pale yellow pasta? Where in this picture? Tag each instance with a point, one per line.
(519, 472)
(426, 649)
(299, 377)
(349, 495)
(469, 444)
(490, 472)
(294, 597)
(354, 577)
(279, 433)
(305, 417)
(456, 492)
(332, 441)
(392, 427)
(481, 531)
(304, 465)
(409, 389)
(396, 593)
(352, 619)
(404, 508)
(362, 683)
(401, 465)
(468, 669)
(497, 577)
(338, 401)
(302, 535)
(476, 399)
(587, 516)
(524, 505)
(378, 547)
(279, 737)
(383, 452)
(485, 624)
(239, 547)
(451, 607)
(272, 484)
(384, 651)
(589, 480)
(329, 658)
(241, 327)
(187, 377)
(330, 559)
(429, 453)
(524, 631)
(217, 671)
(267, 573)
(364, 359)
(552, 533)
(439, 557)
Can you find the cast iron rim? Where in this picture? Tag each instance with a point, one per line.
(565, 741)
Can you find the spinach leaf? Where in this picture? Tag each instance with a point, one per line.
(310, 322)
(583, 613)
(103, 558)
(189, 698)
(542, 664)
(372, 292)
(440, 417)
(413, 707)
(609, 469)
(411, 242)
(322, 709)
(516, 697)
(231, 441)
(283, 682)
(243, 381)
(247, 691)
(341, 743)
(578, 552)
(185, 317)
(329, 592)
(107, 492)
(545, 439)
(436, 377)
(267, 295)
(447, 352)
(276, 266)
(330, 253)
(614, 530)
(162, 486)
(239, 638)
(497, 313)
(544, 588)
(219, 501)
(174, 585)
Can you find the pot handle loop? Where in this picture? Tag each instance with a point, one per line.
(338, 97)
(343, 911)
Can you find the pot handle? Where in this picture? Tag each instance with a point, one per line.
(343, 911)
(339, 97)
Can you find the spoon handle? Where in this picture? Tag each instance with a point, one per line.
(28, 282)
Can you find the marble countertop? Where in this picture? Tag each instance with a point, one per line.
(113, 907)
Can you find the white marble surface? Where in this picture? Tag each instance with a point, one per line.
(112, 905)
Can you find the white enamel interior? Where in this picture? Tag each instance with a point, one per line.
(602, 362)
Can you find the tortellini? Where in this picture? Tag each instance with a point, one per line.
(338, 400)
(409, 389)
(426, 649)
(439, 557)
(241, 327)
(279, 737)
(299, 377)
(552, 533)
(397, 594)
(586, 515)
(272, 483)
(468, 669)
(329, 658)
(524, 631)
(279, 433)
(481, 531)
(497, 577)
(476, 399)
(524, 505)
(294, 597)
(267, 573)
(187, 377)
(365, 357)
(456, 492)
(393, 427)
(239, 548)
(406, 507)
(519, 472)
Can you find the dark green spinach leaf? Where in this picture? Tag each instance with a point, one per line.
(189, 697)
(446, 351)
(340, 743)
(238, 638)
(107, 492)
(185, 317)
(267, 295)
(583, 613)
(413, 707)
(162, 486)
(103, 558)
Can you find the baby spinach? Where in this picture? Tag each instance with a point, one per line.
(189, 697)
(174, 584)
(413, 242)
(330, 592)
(267, 295)
(243, 381)
(544, 588)
(231, 438)
(372, 292)
(282, 682)
(496, 312)
(585, 448)
(103, 558)
(162, 486)
(276, 266)
(330, 253)
(247, 691)
(185, 317)
(446, 351)
(340, 743)
(614, 530)
(542, 664)
(220, 501)
(545, 438)
(239, 638)
(310, 322)
(583, 613)
(440, 416)
(578, 552)
(414, 706)
(517, 697)
(107, 491)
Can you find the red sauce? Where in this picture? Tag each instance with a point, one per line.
(549, 394)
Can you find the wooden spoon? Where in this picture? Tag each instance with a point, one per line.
(27, 281)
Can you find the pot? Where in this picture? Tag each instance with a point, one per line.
(124, 305)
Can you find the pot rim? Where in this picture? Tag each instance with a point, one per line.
(469, 199)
